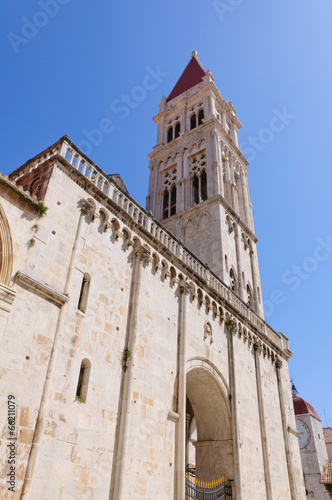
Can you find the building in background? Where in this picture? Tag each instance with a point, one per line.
(134, 351)
(328, 441)
(314, 456)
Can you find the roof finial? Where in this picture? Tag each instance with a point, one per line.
(294, 390)
(194, 53)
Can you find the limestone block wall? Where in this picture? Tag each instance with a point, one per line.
(25, 351)
(83, 433)
(151, 442)
(251, 459)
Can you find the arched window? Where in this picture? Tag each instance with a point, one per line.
(249, 296)
(173, 200)
(232, 280)
(170, 134)
(203, 186)
(195, 190)
(177, 130)
(83, 381)
(200, 116)
(83, 300)
(192, 121)
(165, 204)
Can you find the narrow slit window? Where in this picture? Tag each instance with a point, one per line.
(203, 186)
(83, 300)
(200, 116)
(232, 280)
(249, 296)
(165, 204)
(192, 121)
(83, 381)
(173, 200)
(195, 190)
(177, 130)
(170, 134)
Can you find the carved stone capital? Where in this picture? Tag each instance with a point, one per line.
(86, 208)
(258, 346)
(143, 255)
(231, 324)
(278, 362)
(185, 287)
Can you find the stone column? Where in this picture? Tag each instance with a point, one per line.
(186, 188)
(122, 445)
(188, 420)
(151, 176)
(227, 187)
(86, 208)
(216, 166)
(245, 196)
(230, 326)
(285, 433)
(239, 260)
(253, 275)
(180, 453)
(268, 486)
(212, 105)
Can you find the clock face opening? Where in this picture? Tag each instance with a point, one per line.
(303, 433)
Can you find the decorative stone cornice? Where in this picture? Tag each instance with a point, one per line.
(209, 126)
(41, 289)
(11, 184)
(237, 218)
(7, 297)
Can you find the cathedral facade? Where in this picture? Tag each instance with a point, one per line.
(135, 359)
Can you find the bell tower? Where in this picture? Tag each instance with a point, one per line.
(198, 181)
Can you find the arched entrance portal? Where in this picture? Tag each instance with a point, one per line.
(208, 427)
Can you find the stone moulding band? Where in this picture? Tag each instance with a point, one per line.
(41, 289)
(75, 161)
(7, 297)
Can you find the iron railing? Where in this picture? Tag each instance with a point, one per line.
(220, 489)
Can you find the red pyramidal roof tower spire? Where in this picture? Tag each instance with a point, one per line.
(191, 76)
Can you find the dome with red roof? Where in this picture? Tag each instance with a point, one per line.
(301, 407)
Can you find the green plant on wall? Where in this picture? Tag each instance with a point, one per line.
(126, 354)
(42, 209)
(31, 243)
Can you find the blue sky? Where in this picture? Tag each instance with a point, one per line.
(69, 65)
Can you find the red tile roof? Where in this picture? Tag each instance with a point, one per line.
(301, 407)
(191, 76)
(328, 434)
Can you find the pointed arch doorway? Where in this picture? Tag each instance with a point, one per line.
(209, 448)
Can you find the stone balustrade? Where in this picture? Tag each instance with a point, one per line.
(66, 149)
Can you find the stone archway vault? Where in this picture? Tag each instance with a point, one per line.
(214, 449)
